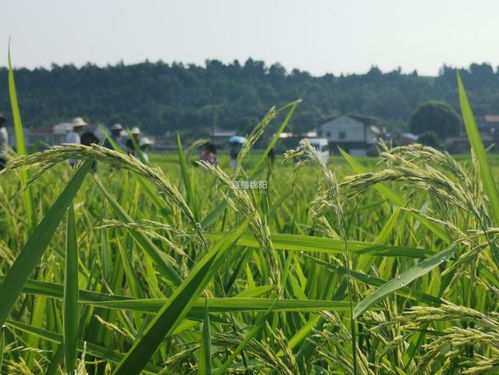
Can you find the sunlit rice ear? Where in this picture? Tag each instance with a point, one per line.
(58, 154)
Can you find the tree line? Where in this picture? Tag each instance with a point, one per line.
(161, 97)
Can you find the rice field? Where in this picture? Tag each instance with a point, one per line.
(373, 266)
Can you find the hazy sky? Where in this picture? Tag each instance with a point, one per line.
(319, 36)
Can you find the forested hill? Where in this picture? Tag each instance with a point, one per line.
(167, 97)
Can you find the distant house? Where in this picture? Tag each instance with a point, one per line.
(407, 139)
(353, 133)
(44, 134)
(488, 123)
(220, 136)
(488, 127)
(33, 136)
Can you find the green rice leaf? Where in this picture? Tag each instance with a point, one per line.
(20, 144)
(32, 252)
(2, 345)
(224, 305)
(71, 315)
(88, 297)
(292, 106)
(406, 291)
(297, 242)
(205, 352)
(186, 177)
(477, 146)
(403, 279)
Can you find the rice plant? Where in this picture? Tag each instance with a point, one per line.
(327, 269)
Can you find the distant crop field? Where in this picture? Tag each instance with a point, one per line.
(383, 265)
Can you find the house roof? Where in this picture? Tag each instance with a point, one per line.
(223, 133)
(491, 118)
(366, 120)
(411, 136)
(488, 122)
(44, 130)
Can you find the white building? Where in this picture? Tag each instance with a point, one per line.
(354, 134)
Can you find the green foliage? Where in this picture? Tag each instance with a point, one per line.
(429, 138)
(436, 117)
(192, 99)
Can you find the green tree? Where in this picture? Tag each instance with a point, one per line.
(429, 138)
(437, 117)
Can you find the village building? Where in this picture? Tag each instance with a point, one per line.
(357, 135)
(220, 137)
(488, 127)
(407, 139)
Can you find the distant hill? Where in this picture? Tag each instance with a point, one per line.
(170, 97)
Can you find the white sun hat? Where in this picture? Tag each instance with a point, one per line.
(77, 122)
(117, 127)
(145, 142)
(135, 130)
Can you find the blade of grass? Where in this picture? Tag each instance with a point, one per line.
(113, 143)
(475, 140)
(186, 177)
(136, 147)
(205, 353)
(292, 106)
(2, 345)
(32, 252)
(71, 314)
(477, 145)
(403, 279)
(297, 242)
(405, 291)
(20, 145)
(224, 305)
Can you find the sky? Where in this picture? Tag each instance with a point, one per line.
(319, 36)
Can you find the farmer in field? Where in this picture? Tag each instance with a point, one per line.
(135, 135)
(74, 135)
(115, 135)
(236, 143)
(4, 142)
(145, 145)
(209, 153)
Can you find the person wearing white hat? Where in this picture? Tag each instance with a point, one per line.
(135, 133)
(115, 136)
(74, 135)
(144, 144)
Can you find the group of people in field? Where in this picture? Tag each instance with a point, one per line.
(134, 143)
